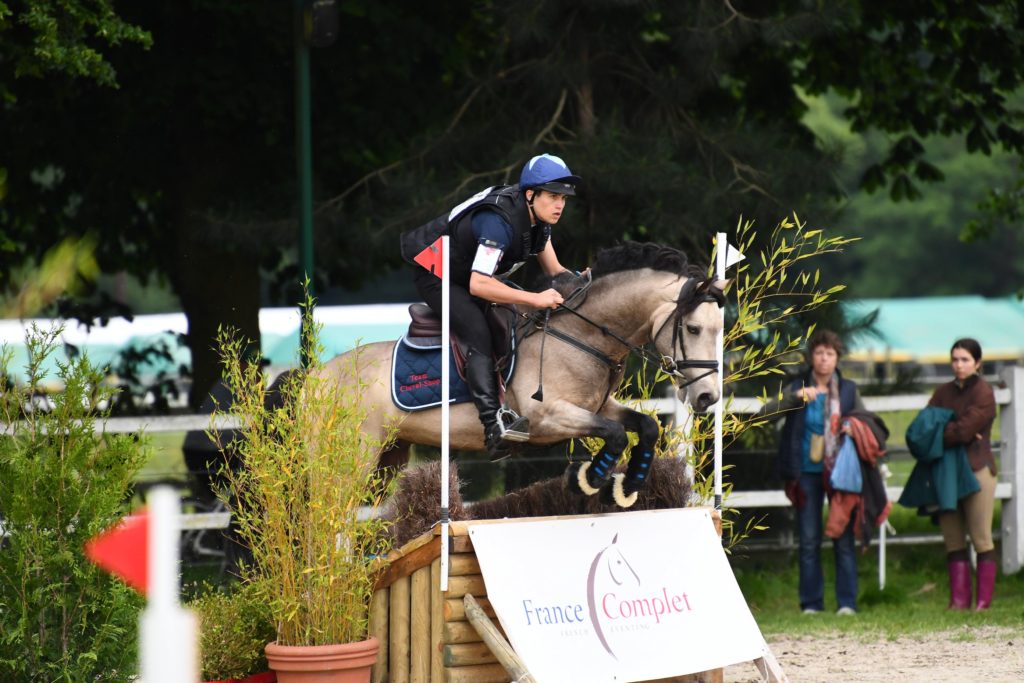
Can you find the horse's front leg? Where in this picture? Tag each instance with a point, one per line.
(565, 420)
(624, 488)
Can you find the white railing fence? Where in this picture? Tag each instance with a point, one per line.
(1011, 474)
(1008, 490)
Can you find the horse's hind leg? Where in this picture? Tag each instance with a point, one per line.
(623, 489)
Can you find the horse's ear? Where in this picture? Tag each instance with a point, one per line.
(713, 290)
(707, 285)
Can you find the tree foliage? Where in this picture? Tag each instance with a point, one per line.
(919, 69)
(680, 116)
(62, 37)
(935, 244)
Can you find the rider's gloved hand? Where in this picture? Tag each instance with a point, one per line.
(549, 298)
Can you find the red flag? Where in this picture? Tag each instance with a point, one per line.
(431, 258)
(123, 550)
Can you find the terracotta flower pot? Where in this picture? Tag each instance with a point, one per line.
(348, 663)
(266, 677)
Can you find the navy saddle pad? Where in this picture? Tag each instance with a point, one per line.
(416, 377)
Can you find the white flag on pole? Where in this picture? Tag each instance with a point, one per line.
(732, 256)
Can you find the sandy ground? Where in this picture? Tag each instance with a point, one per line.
(989, 654)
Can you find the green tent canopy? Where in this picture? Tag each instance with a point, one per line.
(909, 330)
(923, 329)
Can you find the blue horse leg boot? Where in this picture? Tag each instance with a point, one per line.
(589, 477)
(638, 470)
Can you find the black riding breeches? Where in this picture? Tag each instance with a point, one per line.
(467, 312)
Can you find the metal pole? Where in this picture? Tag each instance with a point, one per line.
(881, 557)
(304, 154)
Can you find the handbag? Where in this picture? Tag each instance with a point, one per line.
(846, 475)
(817, 450)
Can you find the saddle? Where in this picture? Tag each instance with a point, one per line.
(416, 360)
(425, 332)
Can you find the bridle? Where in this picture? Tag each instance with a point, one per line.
(691, 295)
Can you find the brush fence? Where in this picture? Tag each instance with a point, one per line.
(425, 636)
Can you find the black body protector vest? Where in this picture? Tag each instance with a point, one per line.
(506, 200)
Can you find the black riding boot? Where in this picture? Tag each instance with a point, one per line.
(501, 424)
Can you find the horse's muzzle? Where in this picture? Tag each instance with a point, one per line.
(704, 401)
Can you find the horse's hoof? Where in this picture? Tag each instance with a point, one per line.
(619, 492)
(576, 479)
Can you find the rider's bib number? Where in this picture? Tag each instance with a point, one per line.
(486, 260)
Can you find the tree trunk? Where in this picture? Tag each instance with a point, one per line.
(587, 127)
(217, 289)
(585, 98)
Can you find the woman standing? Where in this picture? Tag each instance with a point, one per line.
(974, 409)
(813, 405)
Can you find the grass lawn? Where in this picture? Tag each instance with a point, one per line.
(913, 602)
(165, 459)
(898, 420)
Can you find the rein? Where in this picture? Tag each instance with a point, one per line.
(673, 366)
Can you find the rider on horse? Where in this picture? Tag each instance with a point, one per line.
(492, 233)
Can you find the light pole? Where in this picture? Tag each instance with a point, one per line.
(316, 23)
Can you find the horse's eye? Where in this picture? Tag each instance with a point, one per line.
(693, 329)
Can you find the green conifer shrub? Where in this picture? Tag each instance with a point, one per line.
(62, 482)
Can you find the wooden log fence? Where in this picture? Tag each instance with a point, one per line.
(429, 636)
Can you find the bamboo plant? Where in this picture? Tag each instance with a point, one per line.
(301, 497)
(769, 294)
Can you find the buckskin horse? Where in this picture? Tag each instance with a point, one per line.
(636, 295)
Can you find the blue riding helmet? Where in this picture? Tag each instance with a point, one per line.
(548, 172)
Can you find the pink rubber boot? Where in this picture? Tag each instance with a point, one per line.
(986, 583)
(959, 584)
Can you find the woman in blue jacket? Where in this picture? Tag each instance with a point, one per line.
(813, 406)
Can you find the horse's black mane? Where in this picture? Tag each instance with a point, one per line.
(636, 255)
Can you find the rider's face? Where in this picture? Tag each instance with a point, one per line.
(547, 206)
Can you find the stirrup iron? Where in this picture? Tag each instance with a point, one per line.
(512, 426)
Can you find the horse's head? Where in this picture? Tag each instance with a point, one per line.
(685, 337)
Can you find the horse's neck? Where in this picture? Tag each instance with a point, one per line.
(626, 302)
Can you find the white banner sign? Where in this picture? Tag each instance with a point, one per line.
(630, 596)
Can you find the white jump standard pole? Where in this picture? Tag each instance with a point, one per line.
(168, 632)
(722, 248)
(445, 407)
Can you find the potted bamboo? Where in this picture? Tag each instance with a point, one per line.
(299, 502)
